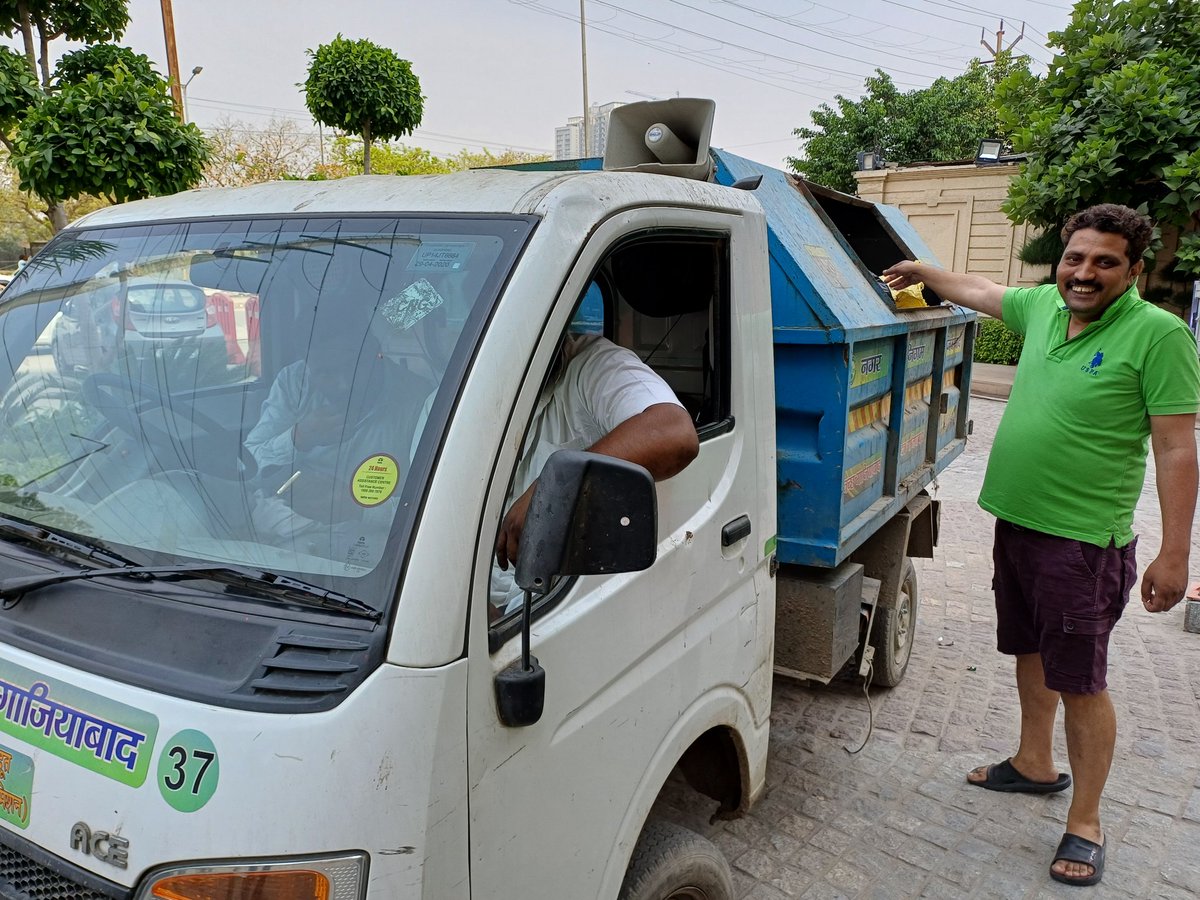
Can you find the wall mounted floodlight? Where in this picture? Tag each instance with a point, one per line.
(869, 160)
(989, 152)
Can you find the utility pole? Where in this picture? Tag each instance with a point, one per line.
(168, 17)
(587, 131)
(999, 48)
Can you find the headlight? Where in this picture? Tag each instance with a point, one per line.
(342, 877)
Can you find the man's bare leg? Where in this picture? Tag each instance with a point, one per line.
(1091, 726)
(1035, 754)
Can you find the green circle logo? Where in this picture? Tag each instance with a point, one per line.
(188, 770)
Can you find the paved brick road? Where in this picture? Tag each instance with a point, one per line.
(898, 820)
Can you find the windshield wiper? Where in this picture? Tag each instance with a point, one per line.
(13, 589)
(47, 540)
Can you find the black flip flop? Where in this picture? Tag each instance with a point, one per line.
(1073, 848)
(1003, 776)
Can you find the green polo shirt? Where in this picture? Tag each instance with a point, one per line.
(1069, 456)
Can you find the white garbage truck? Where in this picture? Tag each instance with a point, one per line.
(257, 444)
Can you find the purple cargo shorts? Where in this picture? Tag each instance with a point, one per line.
(1060, 598)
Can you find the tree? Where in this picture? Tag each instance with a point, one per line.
(23, 216)
(941, 122)
(243, 155)
(401, 159)
(469, 159)
(101, 122)
(1115, 119)
(363, 89)
(347, 158)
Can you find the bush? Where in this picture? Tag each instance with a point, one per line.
(996, 343)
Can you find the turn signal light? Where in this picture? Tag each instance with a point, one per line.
(294, 885)
(341, 876)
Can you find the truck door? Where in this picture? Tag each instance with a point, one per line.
(637, 665)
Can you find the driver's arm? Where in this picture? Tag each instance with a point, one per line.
(662, 439)
(636, 413)
(270, 440)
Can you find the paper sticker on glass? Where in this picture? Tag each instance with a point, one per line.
(440, 256)
(375, 480)
(413, 304)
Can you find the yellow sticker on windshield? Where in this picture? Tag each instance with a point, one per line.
(375, 480)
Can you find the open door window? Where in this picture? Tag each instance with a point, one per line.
(666, 298)
(867, 237)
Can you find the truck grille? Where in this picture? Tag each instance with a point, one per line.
(22, 877)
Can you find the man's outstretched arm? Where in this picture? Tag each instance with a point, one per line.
(661, 438)
(1174, 441)
(972, 291)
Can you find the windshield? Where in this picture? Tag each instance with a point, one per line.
(257, 392)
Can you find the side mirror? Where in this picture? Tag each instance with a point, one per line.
(590, 515)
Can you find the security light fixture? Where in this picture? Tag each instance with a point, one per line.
(989, 152)
(869, 160)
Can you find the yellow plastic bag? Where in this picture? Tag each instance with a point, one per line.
(910, 297)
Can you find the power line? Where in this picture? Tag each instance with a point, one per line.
(795, 43)
(755, 50)
(839, 35)
(691, 55)
(958, 4)
(946, 18)
(926, 12)
(634, 37)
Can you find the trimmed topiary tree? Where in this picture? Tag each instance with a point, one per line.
(363, 89)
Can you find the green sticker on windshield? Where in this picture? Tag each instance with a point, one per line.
(188, 770)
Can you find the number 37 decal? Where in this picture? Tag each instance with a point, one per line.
(188, 770)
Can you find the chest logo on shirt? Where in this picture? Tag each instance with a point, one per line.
(1093, 368)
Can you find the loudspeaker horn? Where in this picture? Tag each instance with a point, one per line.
(666, 137)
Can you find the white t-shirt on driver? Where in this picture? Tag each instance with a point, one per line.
(599, 387)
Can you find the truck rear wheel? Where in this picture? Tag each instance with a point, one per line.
(672, 863)
(893, 631)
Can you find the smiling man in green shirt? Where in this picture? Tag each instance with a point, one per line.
(1103, 375)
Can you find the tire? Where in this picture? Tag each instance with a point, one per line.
(893, 631)
(672, 863)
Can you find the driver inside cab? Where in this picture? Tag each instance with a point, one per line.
(345, 402)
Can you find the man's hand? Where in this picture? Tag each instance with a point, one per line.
(508, 542)
(972, 291)
(903, 274)
(1164, 584)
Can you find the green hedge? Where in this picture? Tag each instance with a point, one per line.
(995, 343)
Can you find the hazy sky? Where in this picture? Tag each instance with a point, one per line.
(504, 73)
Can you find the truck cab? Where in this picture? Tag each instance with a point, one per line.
(250, 638)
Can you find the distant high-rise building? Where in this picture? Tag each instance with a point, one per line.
(568, 139)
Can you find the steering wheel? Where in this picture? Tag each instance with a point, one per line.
(123, 401)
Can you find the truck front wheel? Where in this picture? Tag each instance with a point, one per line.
(672, 863)
(893, 631)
